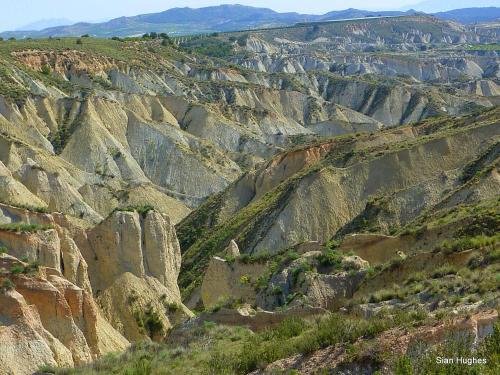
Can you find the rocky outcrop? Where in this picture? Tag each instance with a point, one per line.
(232, 250)
(142, 244)
(305, 281)
(142, 307)
(124, 254)
(134, 260)
(331, 291)
(49, 244)
(48, 321)
(233, 279)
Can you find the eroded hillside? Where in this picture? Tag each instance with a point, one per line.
(331, 187)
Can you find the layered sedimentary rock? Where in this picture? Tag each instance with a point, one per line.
(47, 320)
(128, 263)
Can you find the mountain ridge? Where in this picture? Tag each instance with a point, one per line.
(182, 21)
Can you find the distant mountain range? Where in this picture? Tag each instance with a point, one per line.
(435, 6)
(471, 15)
(178, 21)
(45, 23)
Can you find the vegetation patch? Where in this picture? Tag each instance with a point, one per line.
(421, 357)
(213, 349)
(30, 269)
(150, 322)
(141, 210)
(7, 285)
(23, 227)
(208, 46)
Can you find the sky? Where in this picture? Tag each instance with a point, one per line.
(17, 13)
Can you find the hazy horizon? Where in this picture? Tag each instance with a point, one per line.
(22, 13)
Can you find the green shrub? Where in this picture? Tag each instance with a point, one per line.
(46, 69)
(17, 269)
(330, 258)
(443, 271)
(386, 295)
(245, 279)
(416, 277)
(142, 210)
(276, 290)
(475, 262)
(46, 369)
(291, 256)
(299, 271)
(43, 210)
(7, 284)
(403, 366)
(22, 227)
(225, 302)
(149, 321)
(260, 257)
(173, 307)
(262, 282)
(3, 250)
(466, 243)
(141, 366)
(31, 268)
(288, 328)
(493, 256)
(208, 46)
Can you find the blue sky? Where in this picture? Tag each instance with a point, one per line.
(16, 13)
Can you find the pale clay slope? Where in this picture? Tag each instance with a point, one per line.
(418, 175)
(365, 180)
(129, 146)
(133, 139)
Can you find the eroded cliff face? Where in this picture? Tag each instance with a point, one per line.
(82, 291)
(129, 242)
(47, 320)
